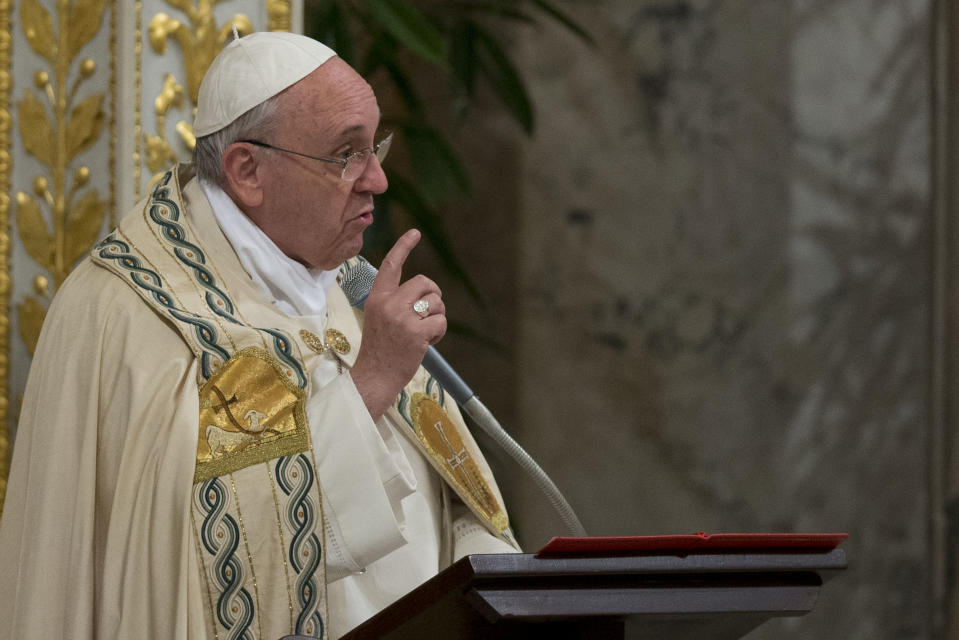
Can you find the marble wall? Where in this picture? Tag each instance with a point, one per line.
(723, 297)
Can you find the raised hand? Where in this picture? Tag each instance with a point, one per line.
(395, 335)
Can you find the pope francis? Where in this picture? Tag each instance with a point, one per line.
(213, 443)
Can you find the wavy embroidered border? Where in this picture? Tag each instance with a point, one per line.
(190, 255)
(295, 477)
(118, 253)
(220, 536)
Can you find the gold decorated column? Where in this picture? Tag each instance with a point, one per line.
(96, 97)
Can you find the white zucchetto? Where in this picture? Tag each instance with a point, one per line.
(251, 70)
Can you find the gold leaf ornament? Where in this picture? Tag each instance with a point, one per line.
(159, 153)
(85, 18)
(34, 235)
(30, 316)
(86, 123)
(83, 225)
(185, 129)
(186, 7)
(35, 128)
(171, 95)
(160, 28)
(38, 28)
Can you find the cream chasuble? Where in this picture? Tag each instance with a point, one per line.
(198, 477)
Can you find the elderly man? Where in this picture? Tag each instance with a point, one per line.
(213, 443)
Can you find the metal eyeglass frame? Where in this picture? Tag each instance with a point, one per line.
(356, 159)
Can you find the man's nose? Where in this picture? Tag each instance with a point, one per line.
(373, 178)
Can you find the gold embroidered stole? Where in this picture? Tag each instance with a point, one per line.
(432, 422)
(254, 452)
(256, 506)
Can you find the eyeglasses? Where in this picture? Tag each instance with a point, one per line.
(353, 163)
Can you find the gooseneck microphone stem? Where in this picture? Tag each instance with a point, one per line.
(356, 284)
(470, 403)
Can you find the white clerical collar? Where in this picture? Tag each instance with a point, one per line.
(293, 288)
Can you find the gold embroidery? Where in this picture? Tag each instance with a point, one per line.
(333, 339)
(249, 413)
(313, 341)
(337, 341)
(444, 444)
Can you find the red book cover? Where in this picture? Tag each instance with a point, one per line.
(732, 542)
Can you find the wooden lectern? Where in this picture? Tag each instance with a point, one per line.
(694, 594)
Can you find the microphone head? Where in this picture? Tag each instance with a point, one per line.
(357, 281)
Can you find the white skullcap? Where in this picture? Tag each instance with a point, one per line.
(250, 70)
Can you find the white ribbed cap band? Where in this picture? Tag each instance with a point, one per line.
(251, 70)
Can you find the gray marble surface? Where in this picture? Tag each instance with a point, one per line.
(724, 280)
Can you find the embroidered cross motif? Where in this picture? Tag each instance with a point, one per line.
(456, 459)
(225, 406)
(449, 453)
(250, 412)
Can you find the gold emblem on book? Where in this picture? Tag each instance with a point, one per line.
(444, 444)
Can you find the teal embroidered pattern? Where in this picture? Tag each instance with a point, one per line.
(165, 213)
(294, 475)
(113, 249)
(220, 536)
(283, 351)
(433, 389)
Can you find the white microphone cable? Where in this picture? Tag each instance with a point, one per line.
(356, 284)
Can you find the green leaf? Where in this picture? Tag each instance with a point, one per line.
(379, 54)
(342, 35)
(438, 171)
(509, 12)
(428, 222)
(463, 55)
(411, 28)
(503, 77)
(328, 22)
(406, 89)
(562, 18)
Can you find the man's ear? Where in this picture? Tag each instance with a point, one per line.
(241, 170)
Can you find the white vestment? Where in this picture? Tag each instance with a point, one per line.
(98, 536)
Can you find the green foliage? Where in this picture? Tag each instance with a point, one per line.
(457, 45)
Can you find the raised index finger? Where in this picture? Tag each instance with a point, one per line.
(391, 269)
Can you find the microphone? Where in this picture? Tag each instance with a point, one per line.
(356, 284)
